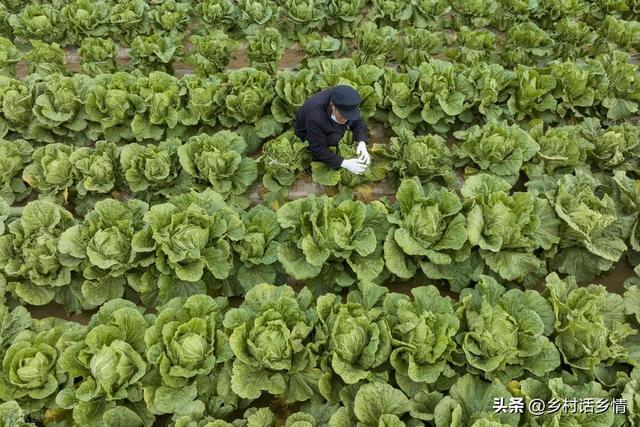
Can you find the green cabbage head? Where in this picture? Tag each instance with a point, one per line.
(220, 161)
(29, 373)
(107, 367)
(271, 335)
(427, 227)
(355, 336)
(423, 331)
(525, 322)
(185, 345)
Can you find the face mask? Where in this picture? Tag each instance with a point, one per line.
(333, 117)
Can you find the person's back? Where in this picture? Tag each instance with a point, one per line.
(311, 107)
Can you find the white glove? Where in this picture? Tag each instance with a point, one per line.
(354, 166)
(363, 154)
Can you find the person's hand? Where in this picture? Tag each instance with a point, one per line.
(363, 154)
(354, 166)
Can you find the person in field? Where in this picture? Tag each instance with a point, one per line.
(322, 121)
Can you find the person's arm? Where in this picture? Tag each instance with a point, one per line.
(319, 148)
(359, 130)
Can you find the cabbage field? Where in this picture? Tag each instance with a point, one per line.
(170, 255)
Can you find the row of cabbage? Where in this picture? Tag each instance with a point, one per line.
(435, 96)
(212, 52)
(578, 223)
(374, 358)
(81, 176)
(69, 21)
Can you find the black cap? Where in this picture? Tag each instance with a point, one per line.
(347, 101)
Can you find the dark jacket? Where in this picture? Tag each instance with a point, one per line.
(314, 124)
